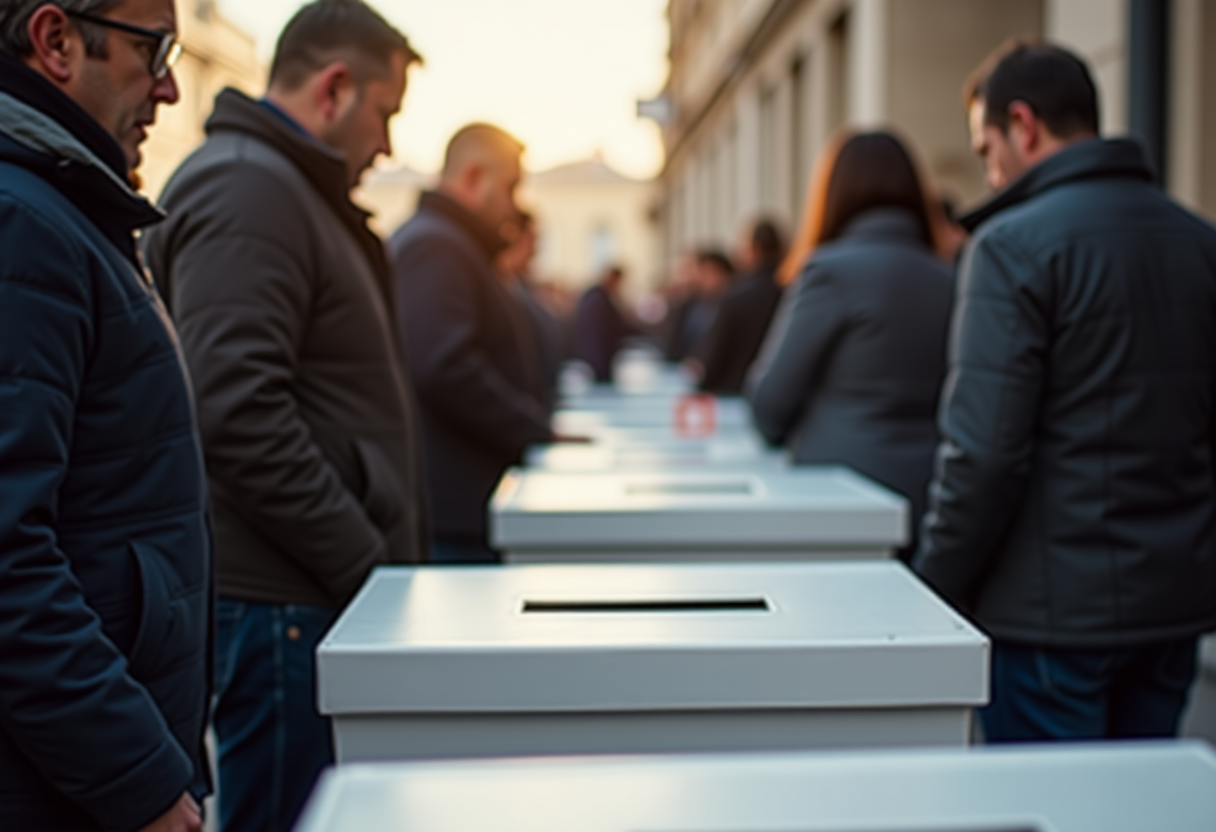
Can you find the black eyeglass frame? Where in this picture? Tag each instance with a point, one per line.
(167, 51)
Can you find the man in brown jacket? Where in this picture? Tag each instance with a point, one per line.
(280, 293)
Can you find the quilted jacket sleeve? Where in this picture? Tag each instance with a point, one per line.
(66, 698)
(987, 418)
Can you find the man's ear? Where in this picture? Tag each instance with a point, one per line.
(331, 87)
(1024, 130)
(473, 178)
(55, 43)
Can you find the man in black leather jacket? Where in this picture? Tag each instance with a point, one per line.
(1073, 512)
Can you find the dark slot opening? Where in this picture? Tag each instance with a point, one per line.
(672, 605)
(690, 489)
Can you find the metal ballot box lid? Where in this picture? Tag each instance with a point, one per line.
(1162, 787)
(648, 637)
(809, 507)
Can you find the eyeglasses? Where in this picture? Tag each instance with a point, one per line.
(168, 50)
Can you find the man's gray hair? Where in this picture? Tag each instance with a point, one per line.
(15, 22)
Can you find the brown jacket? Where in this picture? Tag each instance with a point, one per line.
(281, 297)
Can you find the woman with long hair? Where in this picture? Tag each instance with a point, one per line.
(852, 366)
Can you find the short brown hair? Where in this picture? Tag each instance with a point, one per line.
(329, 30)
(1052, 81)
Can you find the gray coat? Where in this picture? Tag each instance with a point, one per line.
(1074, 503)
(852, 366)
(280, 294)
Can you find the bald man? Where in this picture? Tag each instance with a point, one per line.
(473, 377)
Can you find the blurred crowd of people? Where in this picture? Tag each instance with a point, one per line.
(219, 414)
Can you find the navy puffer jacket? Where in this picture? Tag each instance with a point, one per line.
(105, 581)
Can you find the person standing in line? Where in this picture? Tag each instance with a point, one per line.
(474, 383)
(600, 328)
(540, 330)
(1073, 512)
(743, 319)
(105, 572)
(281, 295)
(691, 319)
(853, 365)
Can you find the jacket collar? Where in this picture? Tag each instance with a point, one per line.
(31, 89)
(487, 239)
(885, 224)
(52, 136)
(323, 166)
(1090, 159)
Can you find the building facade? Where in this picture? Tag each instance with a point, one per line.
(589, 216)
(215, 54)
(757, 88)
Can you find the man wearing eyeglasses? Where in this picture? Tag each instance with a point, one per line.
(105, 579)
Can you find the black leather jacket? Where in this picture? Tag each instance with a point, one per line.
(1074, 501)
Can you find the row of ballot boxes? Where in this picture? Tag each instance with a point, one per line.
(642, 491)
(677, 588)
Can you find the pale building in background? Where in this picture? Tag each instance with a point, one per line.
(215, 54)
(588, 215)
(758, 86)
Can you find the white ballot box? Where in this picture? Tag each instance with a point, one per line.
(642, 371)
(1147, 787)
(438, 662)
(710, 455)
(809, 513)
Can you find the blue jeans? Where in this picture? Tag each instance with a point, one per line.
(1041, 693)
(272, 743)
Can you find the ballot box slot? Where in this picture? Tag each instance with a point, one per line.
(675, 605)
(690, 489)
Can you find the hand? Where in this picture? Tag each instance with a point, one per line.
(183, 817)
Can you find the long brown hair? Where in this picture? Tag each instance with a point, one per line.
(854, 174)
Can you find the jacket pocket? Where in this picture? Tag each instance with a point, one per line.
(172, 618)
(383, 494)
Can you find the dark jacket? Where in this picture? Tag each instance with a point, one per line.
(599, 331)
(280, 291)
(738, 332)
(105, 575)
(472, 377)
(547, 332)
(854, 361)
(685, 329)
(1074, 502)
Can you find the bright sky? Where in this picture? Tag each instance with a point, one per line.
(562, 75)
